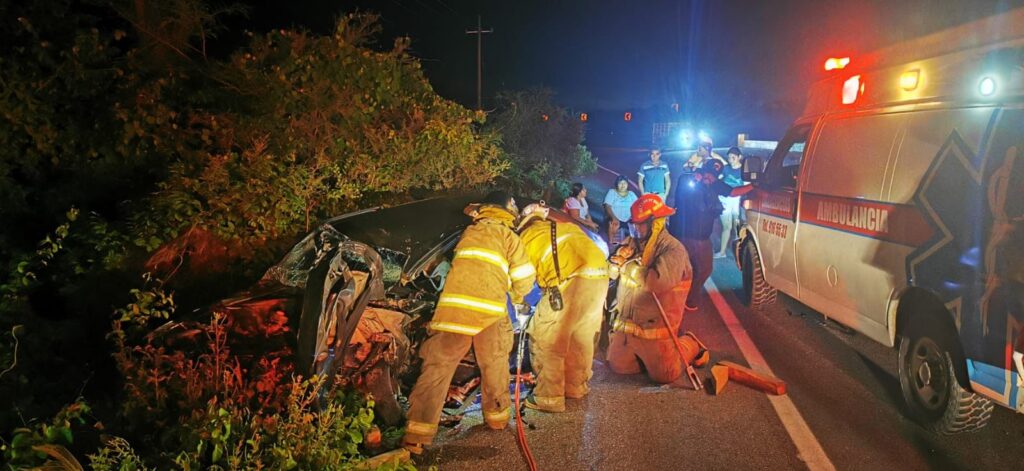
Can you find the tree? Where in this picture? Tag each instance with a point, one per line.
(543, 143)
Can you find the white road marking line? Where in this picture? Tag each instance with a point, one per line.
(807, 446)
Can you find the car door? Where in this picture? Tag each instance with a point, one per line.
(773, 212)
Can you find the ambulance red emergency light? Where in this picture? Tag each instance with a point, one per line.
(895, 205)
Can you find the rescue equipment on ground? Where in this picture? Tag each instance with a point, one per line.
(725, 371)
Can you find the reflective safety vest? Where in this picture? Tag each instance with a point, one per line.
(488, 265)
(578, 255)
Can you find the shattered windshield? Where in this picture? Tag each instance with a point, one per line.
(293, 269)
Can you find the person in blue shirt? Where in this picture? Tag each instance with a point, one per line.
(654, 177)
(732, 175)
(617, 202)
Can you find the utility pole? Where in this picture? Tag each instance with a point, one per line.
(479, 32)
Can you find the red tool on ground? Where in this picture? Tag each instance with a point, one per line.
(726, 371)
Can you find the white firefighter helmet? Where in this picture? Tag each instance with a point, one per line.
(533, 211)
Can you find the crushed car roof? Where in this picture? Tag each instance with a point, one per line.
(412, 228)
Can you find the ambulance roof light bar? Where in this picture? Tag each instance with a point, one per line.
(852, 88)
(836, 63)
(910, 79)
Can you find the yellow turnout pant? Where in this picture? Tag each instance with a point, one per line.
(441, 354)
(562, 343)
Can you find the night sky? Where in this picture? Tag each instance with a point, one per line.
(722, 60)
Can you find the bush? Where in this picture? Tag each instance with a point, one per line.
(114, 108)
(543, 144)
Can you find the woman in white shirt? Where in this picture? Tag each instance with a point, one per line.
(576, 206)
(617, 202)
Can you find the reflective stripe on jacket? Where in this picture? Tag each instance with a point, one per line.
(578, 255)
(668, 277)
(489, 263)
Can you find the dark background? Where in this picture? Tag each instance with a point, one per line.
(732, 65)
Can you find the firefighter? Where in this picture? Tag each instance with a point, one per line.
(572, 272)
(654, 277)
(489, 264)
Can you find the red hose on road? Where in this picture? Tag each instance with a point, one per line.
(520, 432)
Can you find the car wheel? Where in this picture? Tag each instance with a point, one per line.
(930, 388)
(757, 293)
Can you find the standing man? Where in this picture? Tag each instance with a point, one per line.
(654, 277)
(654, 177)
(697, 206)
(489, 265)
(704, 153)
(732, 175)
(570, 266)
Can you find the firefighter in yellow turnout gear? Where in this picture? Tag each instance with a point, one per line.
(660, 274)
(562, 340)
(488, 265)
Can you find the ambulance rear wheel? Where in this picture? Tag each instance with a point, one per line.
(757, 293)
(930, 387)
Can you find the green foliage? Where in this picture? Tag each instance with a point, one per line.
(543, 144)
(151, 302)
(25, 273)
(324, 121)
(30, 446)
(114, 108)
(117, 455)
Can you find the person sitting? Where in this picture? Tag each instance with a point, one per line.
(577, 208)
(616, 205)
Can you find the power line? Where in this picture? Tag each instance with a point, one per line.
(444, 4)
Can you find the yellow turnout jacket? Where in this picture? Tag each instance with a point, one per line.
(489, 263)
(668, 277)
(578, 256)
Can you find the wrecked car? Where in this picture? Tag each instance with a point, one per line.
(352, 299)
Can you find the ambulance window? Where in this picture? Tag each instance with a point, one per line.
(851, 156)
(784, 166)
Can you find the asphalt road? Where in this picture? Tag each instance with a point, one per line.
(842, 388)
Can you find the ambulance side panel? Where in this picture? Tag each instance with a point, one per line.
(849, 260)
(964, 170)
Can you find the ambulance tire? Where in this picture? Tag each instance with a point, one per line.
(930, 389)
(757, 293)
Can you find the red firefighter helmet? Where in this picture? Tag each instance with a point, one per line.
(648, 206)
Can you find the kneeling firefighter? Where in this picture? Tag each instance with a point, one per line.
(489, 265)
(654, 278)
(573, 275)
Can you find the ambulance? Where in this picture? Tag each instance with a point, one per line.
(895, 206)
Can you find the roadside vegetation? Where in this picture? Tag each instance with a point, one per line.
(143, 176)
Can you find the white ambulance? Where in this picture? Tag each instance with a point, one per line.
(895, 206)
